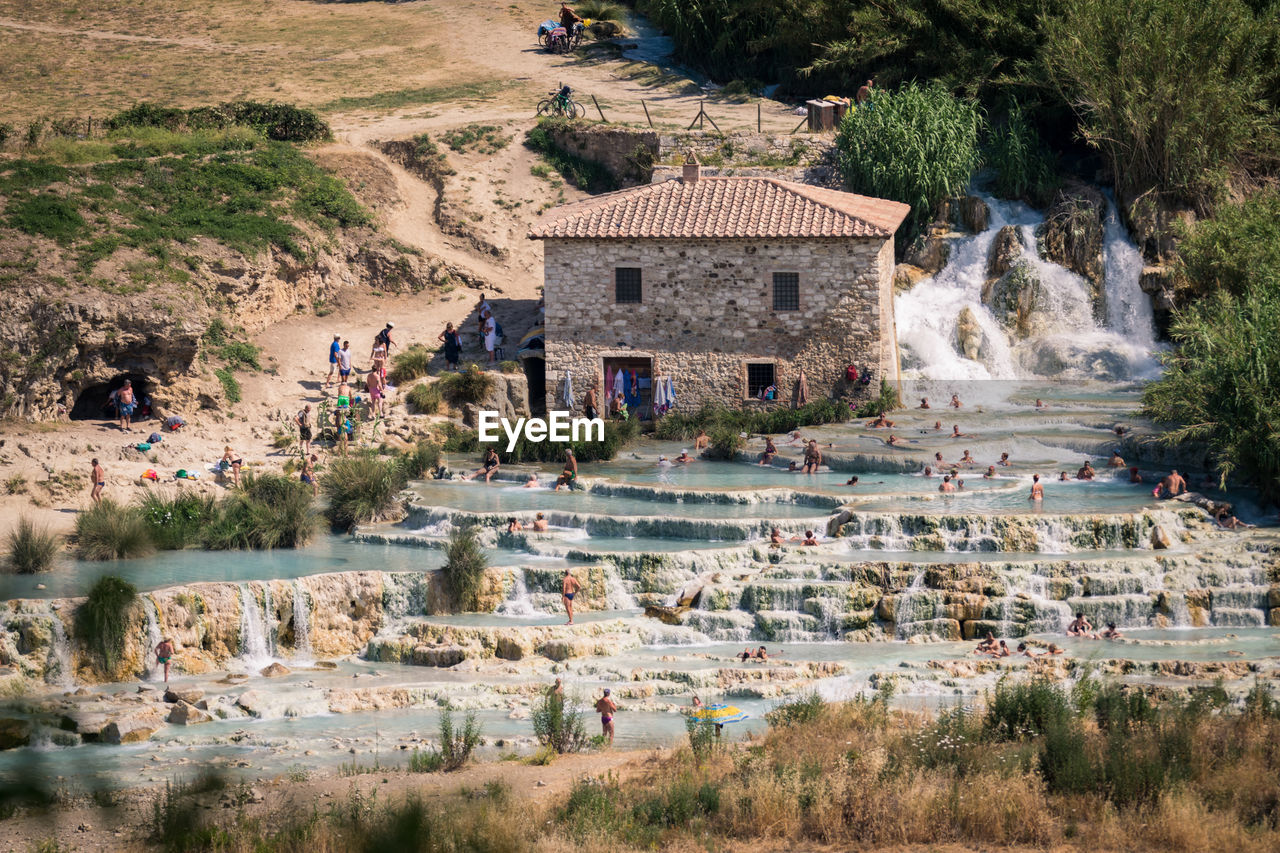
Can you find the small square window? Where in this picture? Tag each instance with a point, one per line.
(786, 291)
(760, 381)
(626, 285)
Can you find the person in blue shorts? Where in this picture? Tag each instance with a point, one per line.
(334, 349)
(344, 361)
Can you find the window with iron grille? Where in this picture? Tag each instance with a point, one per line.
(759, 378)
(786, 291)
(626, 284)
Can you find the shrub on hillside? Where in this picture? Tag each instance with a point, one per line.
(464, 567)
(269, 511)
(678, 426)
(31, 549)
(102, 621)
(406, 366)
(457, 744)
(558, 724)
(111, 531)
(472, 385)
(419, 461)
(362, 488)
(918, 145)
(280, 122)
(425, 398)
(176, 519)
(1024, 166)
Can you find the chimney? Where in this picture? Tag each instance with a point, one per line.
(692, 168)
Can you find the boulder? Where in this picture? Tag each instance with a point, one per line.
(1072, 236)
(186, 714)
(665, 614)
(275, 670)
(512, 647)
(14, 733)
(885, 608)
(605, 29)
(442, 656)
(252, 703)
(133, 727)
(1013, 299)
(907, 276)
(1004, 252)
(1160, 539)
(190, 695)
(1155, 223)
(969, 334)
(929, 252)
(970, 213)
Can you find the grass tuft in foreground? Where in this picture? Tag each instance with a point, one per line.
(362, 488)
(112, 531)
(31, 549)
(103, 620)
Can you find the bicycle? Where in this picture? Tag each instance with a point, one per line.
(561, 104)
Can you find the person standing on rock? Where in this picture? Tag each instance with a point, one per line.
(376, 385)
(303, 420)
(569, 587)
(334, 349)
(491, 338)
(125, 403)
(98, 477)
(606, 707)
(164, 654)
(452, 346)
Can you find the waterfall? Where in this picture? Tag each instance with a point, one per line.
(253, 639)
(58, 669)
(154, 670)
(519, 603)
(1065, 340)
(268, 622)
(301, 625)
(616, 595)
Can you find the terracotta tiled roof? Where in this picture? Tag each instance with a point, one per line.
(722, 207)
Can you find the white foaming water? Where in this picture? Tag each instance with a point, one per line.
(60, 652)
(1067, 342)
(253, 630)
(154, 669)
(519, 604)
(302, 652)
(616, 594)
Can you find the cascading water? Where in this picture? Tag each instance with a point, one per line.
(519, 603)
(301, 625)
(253, 631)
(58, 669)
(616, 594)
(154, 668)
(1065, 340)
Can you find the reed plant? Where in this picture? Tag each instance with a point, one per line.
(425, 398)
(362, 488)
(176, 519)
(464, 568)
(269, 511)
(31, 548)
(112, 531)
(412, 363)
(103, 620)
(918, 145)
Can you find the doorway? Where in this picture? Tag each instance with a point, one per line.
(636, 384)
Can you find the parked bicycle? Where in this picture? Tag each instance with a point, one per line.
(561, 103)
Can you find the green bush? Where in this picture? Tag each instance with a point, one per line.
(413, 362)
(677, 426)
(600, 10)
(510, 367)
(47, 215)
(230, 385)
(103, 620)
(1024, 166)
(425, 398)
(726, 441)
(459, 439)
(428, 761)
(703, 739)
(802, 709)
(469, 386)
(457, 744)
(31, 549)
(111, 531)
(464, 568)
(176, 519)
(241, 354)
(421, 460)
(557, 724)
(1237, 251)
(1219, 386)
(362, 488)
(1171, 92)
(279, 122)
(887, 401)
(269, 511)
(918, 145)
(1025, 709)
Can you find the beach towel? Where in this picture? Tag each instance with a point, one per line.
(569, 402)
(659, 397)
(619, 382)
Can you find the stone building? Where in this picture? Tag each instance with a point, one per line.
(730, 285)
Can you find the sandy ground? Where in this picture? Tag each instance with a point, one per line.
(458, 57)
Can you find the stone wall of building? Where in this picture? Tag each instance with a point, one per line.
(707, 310)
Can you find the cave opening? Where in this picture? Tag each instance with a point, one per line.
(93, 403)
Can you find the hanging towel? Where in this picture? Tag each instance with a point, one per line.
(568, 391)
(659, 397)
(608, 382)
(619, 382)
(800, 393)
(671, 393)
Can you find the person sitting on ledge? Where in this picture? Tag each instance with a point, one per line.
(1000, 652)
(488, 466)
(809, 538)
(540, 523)
(770, 451)
(987, 644)
(1110, 632)
(1080, 627)
(924, 403)
(513, 525)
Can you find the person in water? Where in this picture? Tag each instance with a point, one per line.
(955, 401)
(702, 441)
(809, 539)
(775, 538)
(852, 481)
(1134, 476)
(1062, 477)
(1037, 489)
(1116, 460)
(606, 707)
(1080, 627)
(924, 403)
(967, 459)
(1172, 485)
(514, 525)
(164, 655)
(946, 486)
(1004, 460)
(569, 586)
(570, 473)
(987, 644)
(1110, 632)
(770, 451)
(812, 457)
(955, 431)
(540, 523)
(1086, 471)
(488, 466)
(991, 473)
